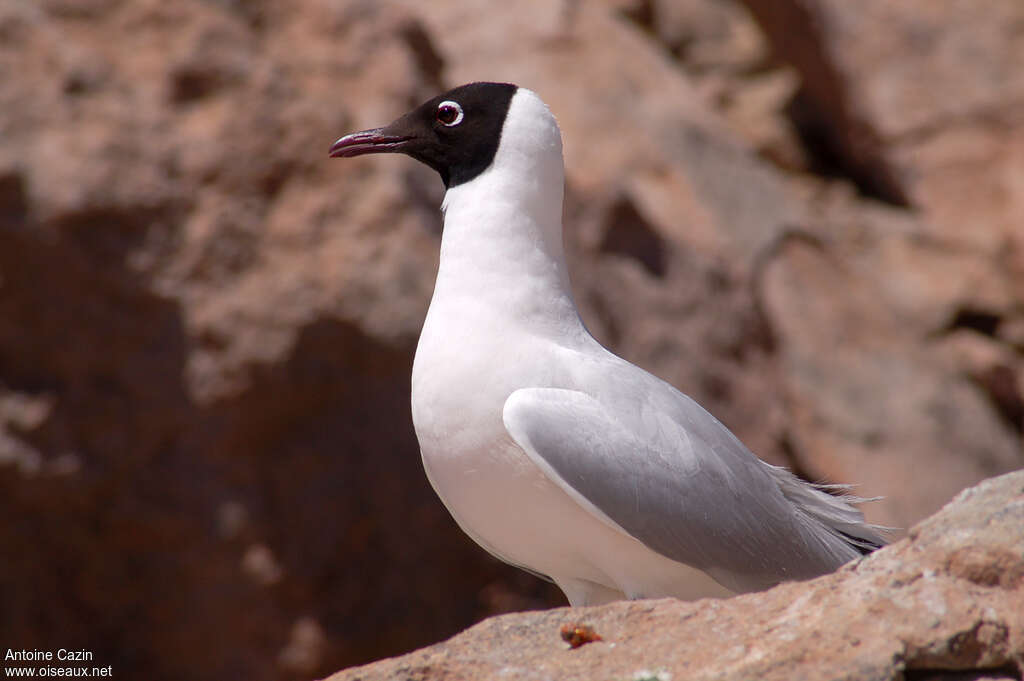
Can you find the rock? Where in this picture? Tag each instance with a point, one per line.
(917, 127)
(875, 392)
(727, 58)
(193, 318)
(945, 603)
(206, 326)
(921, 101)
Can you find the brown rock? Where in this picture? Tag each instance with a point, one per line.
(727, 58)
(192, 318)
(207, 468)
(860, 317)
(921, 99)
(927, 607)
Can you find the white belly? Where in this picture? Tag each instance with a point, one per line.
(468, 362)
(508, 506)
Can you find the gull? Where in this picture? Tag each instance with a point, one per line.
(551, 452)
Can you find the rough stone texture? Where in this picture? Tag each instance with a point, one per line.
(207, 468)
(916, 97)
(919, 103)
(946, 603)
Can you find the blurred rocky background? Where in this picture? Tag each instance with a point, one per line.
(807, 214)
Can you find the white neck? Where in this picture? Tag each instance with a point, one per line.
(501, 251)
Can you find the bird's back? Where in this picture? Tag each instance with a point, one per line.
(705, 499)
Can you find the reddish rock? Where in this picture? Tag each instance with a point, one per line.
(922, 101)
(207, 467)
(947, 603)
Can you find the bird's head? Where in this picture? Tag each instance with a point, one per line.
(458, 133)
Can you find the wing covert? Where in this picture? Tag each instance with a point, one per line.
(705, 504)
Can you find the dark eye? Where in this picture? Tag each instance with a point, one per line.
(449, 113)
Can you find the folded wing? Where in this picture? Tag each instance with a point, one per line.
(681, 483)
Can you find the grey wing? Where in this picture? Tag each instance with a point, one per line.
(693, 494)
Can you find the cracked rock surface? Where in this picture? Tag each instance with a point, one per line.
(803, 213)
(946, 603)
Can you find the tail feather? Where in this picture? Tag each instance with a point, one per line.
(833, 507)
(863, 545)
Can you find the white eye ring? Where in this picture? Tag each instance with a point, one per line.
(446, 106)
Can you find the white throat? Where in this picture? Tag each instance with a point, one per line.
(502, 244)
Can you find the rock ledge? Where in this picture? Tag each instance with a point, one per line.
(945, 603)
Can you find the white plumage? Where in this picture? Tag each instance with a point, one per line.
(551, 452)
(556, 455)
